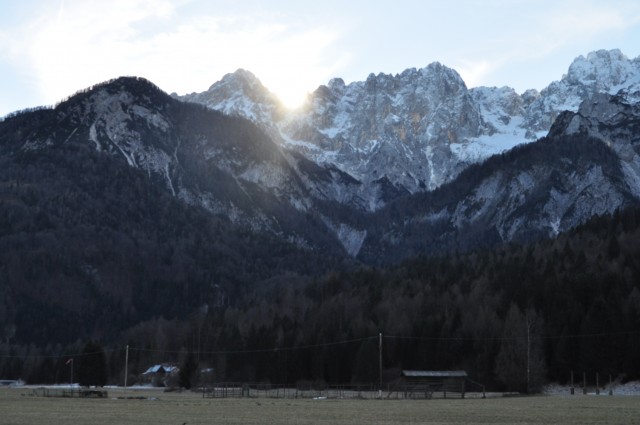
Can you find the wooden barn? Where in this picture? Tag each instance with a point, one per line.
(430, 383)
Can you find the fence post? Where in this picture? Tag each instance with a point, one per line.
(572, 386)
(380, 364)
(610, 386)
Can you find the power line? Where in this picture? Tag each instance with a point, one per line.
(543, 337)
(264, 350)
(61, 356)
(322, 345)
(156, 350)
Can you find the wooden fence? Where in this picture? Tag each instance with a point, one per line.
(70, 392)
(232, 389)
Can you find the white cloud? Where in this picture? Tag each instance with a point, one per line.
(587, 20)
(186, 45)
(288, 59)
(582, 23)
(85, 42)
(88, 41)
(538, 48)
(474, 73)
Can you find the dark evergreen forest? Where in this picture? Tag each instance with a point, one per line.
(569, 304)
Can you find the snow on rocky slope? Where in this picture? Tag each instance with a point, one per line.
(416, 130)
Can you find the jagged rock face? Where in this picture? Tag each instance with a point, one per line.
(588, 165)
(394, 134)
(400, 127)
(239, 93)
(596, 173)
(242, 94)
(154, 135)
(417, 130)
(614, 120)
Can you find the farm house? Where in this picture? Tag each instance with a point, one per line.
(160, 375)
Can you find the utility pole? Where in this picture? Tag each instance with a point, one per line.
(70, 363)
(126, 369)
(380, 363)
(528, 322)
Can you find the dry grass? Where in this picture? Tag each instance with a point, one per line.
(18, 408)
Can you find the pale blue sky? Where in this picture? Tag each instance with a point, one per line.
(51, 48)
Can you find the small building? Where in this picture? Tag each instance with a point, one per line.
(427, 383)
(160, 375)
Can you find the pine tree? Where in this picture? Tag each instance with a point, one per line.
(188, 371)
(92, 365)
(520, 363)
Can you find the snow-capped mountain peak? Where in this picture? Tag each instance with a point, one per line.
(418, 129)
(603, 71)
(242, 94)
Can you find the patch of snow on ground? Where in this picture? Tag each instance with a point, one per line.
(289, 142)
(555, 226)
(330, 132)
(629, 388)
(93, 136)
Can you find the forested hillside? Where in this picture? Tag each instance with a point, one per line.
(89, 245)
(571, 304)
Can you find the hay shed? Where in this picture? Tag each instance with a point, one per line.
(430, 383)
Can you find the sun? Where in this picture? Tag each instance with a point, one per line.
(292, 90)
(291, 99)
(292, 96)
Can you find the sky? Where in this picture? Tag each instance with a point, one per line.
(49, 49)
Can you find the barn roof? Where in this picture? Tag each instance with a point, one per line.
(434, 373)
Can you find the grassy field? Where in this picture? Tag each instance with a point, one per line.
(17, 407)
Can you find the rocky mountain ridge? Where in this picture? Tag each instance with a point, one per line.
(407, 191)
(419, 129)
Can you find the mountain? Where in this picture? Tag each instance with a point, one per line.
(134, 204)
(221, 163)
(417, 130)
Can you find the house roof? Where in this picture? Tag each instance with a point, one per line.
(159, 368)
(434, 373)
